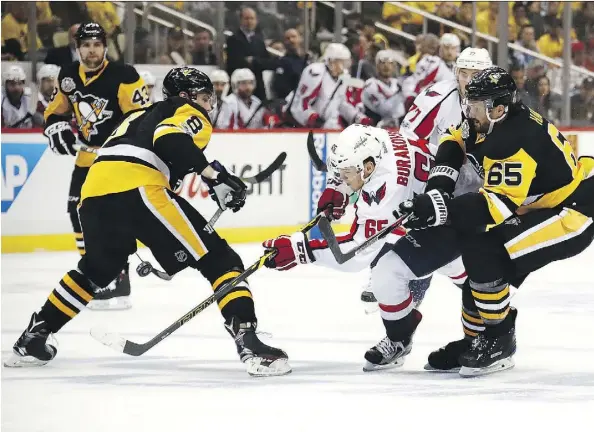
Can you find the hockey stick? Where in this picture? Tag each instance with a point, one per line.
(118, 343)
(341, 258)
(318, 163)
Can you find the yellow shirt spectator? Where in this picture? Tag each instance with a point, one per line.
(412, 65)
(12, 29)
(405, 16)
(105, 14)
(44, 13)
(549, 46)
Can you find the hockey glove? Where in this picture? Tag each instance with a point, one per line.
(427, 210)
(227, 190)
(333, 202)
(290, 251)
(61, 138)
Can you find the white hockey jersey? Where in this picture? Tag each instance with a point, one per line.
(21, 117)
(237, 114)
(319, 93)
(383, 102)
(402, 172)
(429, 70)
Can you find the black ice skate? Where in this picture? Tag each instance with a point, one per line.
(388, 354)
(115, 296)
(31, 348)
(259, 358)
(446, 359)
(492, 350)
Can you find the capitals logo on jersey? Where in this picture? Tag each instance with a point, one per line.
(374, 197)
(90, 111)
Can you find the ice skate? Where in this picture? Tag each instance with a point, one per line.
(115, 296)
(31, 348)
(446, 359)
(260, 359)
(492, 350)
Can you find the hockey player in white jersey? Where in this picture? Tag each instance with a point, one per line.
(220, 82)
(241, 109)
(47, 79)
(385, 168)
(432, 68)
(318, 95)
(17, 109)
(151, 81)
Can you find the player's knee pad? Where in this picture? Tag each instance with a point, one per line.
(99, 273)
(220, 261)
(418, 288)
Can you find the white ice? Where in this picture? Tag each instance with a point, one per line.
(194, 380)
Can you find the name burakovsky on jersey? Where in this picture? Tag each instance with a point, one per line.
(99, 93)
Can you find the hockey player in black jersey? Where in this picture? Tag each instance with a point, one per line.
(98, 93)
(128, 196)
(536, 206)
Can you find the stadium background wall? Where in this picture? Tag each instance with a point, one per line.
(35, 186)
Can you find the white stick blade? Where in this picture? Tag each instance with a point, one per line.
(112, 340)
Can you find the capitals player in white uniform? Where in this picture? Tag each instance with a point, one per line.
(241, 109)
(384, 168)
(151, 81)
(321, 87)
(17, 107)
(432, 68)
(47, 80)
(220, 81)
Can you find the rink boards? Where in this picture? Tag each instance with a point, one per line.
(35, 185)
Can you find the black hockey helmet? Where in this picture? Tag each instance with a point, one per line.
(90, 30)
(492, 84)
(186, 79)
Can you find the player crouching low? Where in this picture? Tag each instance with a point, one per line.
(384, 168)
(128, 196)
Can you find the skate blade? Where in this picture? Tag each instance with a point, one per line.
(370, 367)
(498, 366)
(17, 361)
(259, 367)
(112, 340)
(430, 368)
(116, 303)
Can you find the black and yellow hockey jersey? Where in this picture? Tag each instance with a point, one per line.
(157, 145)
(97, 99)
(526, 164)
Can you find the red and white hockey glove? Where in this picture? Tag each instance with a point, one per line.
(333, 202)
(291, 251)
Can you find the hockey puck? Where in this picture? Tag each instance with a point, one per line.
(144, 269)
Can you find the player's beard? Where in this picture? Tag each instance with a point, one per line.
(480, 128)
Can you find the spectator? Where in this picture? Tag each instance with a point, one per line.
(575, 78)
(547, 103)
(486, 21)
(552, 14)
(534, 70)
(16, 99)
(528, 41)
(551, 43)
(517, 20)
(63, 56)
(445, 10)
(368, 28)
(278, 46)
(534, 15)
(15, 31)
(361, 66)
(291, 65)
(582, 104)
(410, 68)
(176, 51)
(143, 51)
(47, 79)
(105, 14)
(518, 73)
(46, 23)
(403, 20)
(589, 60)
(202, 52)
(246, 49)
(464, 18)
(584, 21)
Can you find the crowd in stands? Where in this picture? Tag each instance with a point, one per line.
(257, 27)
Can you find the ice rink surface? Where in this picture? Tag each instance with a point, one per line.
(194, 380)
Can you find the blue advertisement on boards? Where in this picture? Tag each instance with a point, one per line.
(18, 162)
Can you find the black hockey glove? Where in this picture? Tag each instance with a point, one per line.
(61, 138)
(426, 210)
(227, 190)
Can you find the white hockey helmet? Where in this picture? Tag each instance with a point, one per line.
(449, 39)
(219, 75)
(386, 56)
(240, 75)
(354, 146)
(474, 58)
(48, 71)
(14, 73)
(148, 77)
(336, 51)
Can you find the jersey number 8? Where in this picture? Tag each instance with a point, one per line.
(194, 124)
(508, 173)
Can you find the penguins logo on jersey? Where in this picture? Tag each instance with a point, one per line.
(478, 167)
(90, 111)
